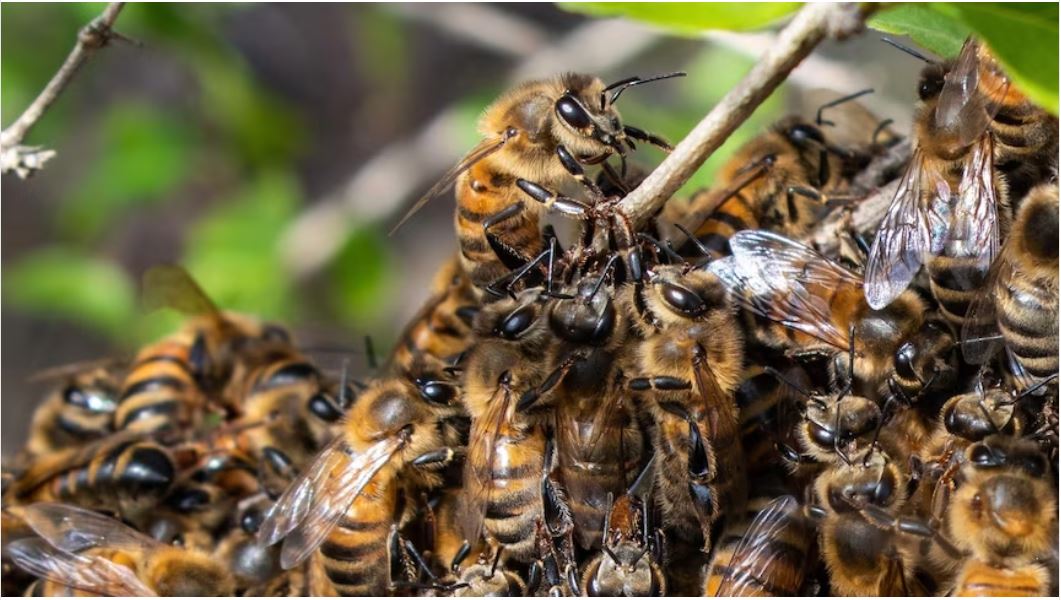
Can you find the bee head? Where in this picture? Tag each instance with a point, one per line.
(589, 318)
(677, 296)
(586, 123)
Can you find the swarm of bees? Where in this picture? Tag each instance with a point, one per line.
(704, 405)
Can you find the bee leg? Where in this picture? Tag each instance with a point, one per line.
(572, 166)
(275, 471)
(658, 383)
(564, 205)
(533, 395)
(510, 257)
(644, 136)
(881, 518)
(434, 459)
(401, 568)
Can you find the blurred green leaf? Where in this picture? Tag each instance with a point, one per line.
(362, 273)
(233, 250)
(931, 29)
(61, 281)
(691, 18)
(1024, 37)
(146, 153)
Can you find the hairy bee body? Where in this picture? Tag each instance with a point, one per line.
(1020, 300)
(161, 389)
(441, 331)
(764, 554)
(690, 358)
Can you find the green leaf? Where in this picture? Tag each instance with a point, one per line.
(233, 250)
(1024, 37)
(931, 29)
(57, 281)
(693, 17)
(362, 276)
(144, 153)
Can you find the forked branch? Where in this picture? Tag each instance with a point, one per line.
(25, 160)
(808, 28)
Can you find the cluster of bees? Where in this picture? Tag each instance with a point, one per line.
(705, 404)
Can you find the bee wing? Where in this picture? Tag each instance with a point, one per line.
(961, 106)
(74, 529)
(717, 406)
(979, 336)
(754, 560)
(785, 281)
(483, 439)
(484, 149)
(311, 506)
(906, 234)
(89, 573)
(171, 286)
(973, 231)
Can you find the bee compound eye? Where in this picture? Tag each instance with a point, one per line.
(572, 112)
(801, 133)
(436, 392)
(683, 300)
(517, 322)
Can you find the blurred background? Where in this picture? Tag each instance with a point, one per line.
(270, 148)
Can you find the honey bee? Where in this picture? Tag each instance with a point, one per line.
(765, 555)
(979, 143)
(441, 331)
(125, 473)
(782, 179)
(79, 411)
(820, 311)
(287, 406)
(535, 132)
(631, 556)
(88, 551)
(690, 364)
(170, 382)
(1020, 299)
(865, 540)
(597, 439)
(345, 502)
(1004, 517)
(769, 412)
(506, 448)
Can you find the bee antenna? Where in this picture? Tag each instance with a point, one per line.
(665, 248)
(629, 82)
(906, 49)
(1031, 390)
(497, 560)
(604, 275)
(695, 241)
(370, 353)
(785, 380)
(838, 102)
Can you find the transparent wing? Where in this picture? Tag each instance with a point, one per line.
(753, 565)
(961, 107)
(484, 149)
(485, 433)
(785, 281)
(717, 406)
(973, 232)
(980, 333)
(171, 286)
(74, 529)
(310, 508)
(89, 573)
(904, 237)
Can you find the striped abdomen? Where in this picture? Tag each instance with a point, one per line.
(596, 452)
(735, 214)
(116, 477)
(287, 408)
(771, 564)
(483, 191)
(1027, 319)
(1025, 138)
(955, 282)
(442, 328)
(514, 501)
(980, 579)
(354, 557)
(160, 390)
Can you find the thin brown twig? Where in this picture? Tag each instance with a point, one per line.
(24, 160)
(808, 28)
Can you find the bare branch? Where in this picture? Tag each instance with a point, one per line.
(810, 26)
(24, 160)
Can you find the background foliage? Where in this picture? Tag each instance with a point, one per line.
(233, 121)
